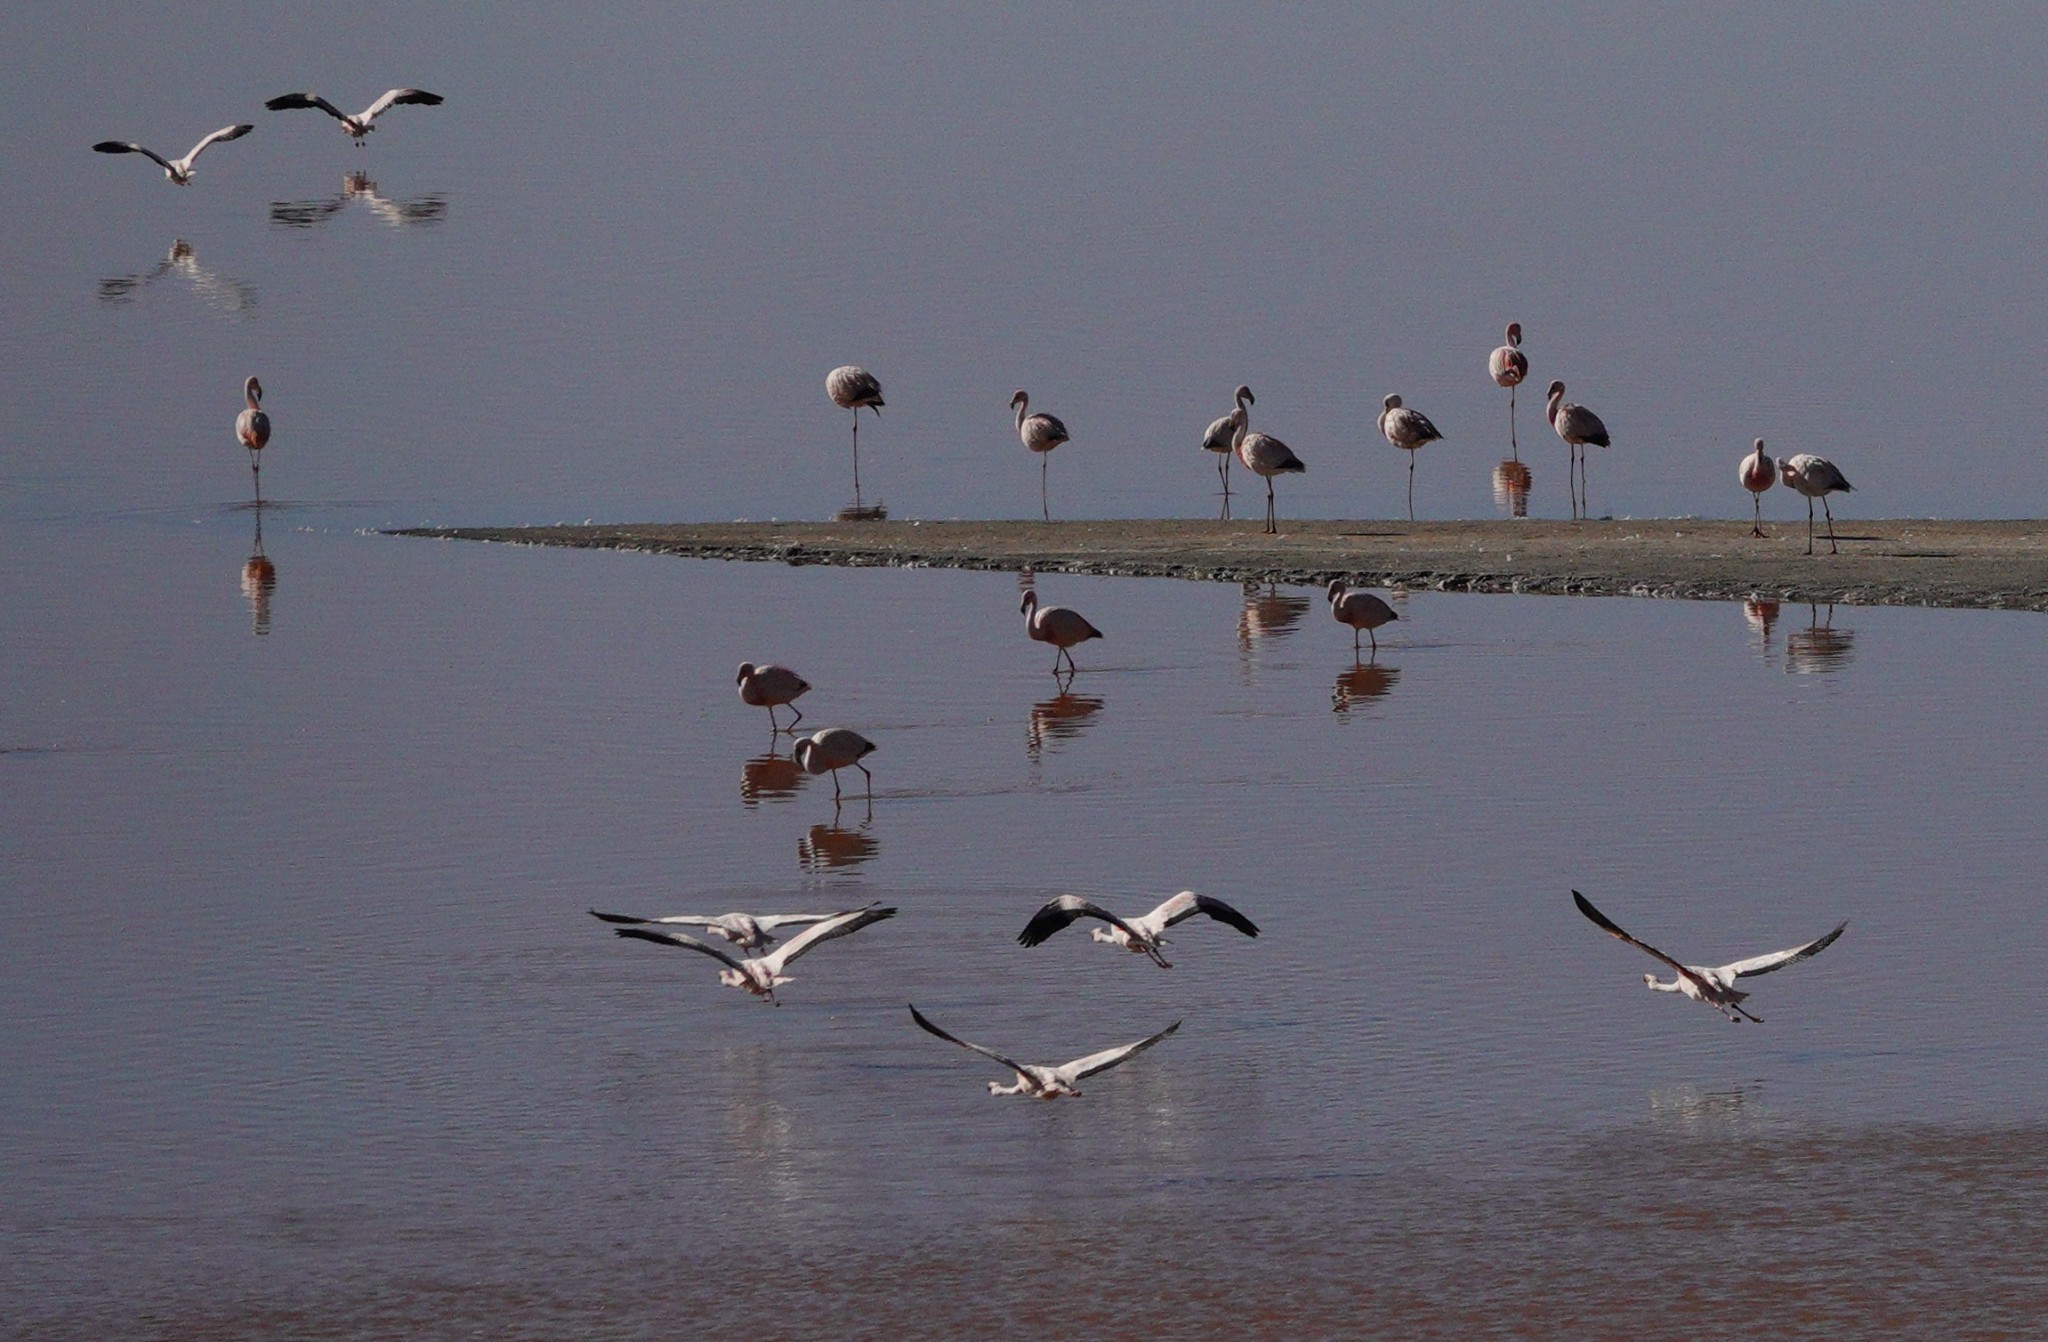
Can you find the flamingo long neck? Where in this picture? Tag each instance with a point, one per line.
(1676, 985)
(1023, 404)
(252, 391)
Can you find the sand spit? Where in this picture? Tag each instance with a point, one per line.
(1988, 565)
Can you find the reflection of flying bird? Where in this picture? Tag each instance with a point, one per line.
(1041, 433)
(1578, 427)
(1266, 456)
(850, 388)
(1815, 477)
(769, 685)
(1042, 1082)
(748, 931)
(177, 171)
(761, 975)
(358, 125)
(1360, 609)
(1408, 430)
(1057, 625)
(1140, 936)
(1360, 684)
(1221, 438)
(252, 429)
(229, 295)
(1714, 986)
(358, 186)
(1757, 473)
(1507, 365)
(834, 749)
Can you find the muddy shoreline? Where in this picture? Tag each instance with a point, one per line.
(1981, 565)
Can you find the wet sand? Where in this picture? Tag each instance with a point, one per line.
(1993, 565)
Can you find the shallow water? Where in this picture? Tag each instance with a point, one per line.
(312, 1032)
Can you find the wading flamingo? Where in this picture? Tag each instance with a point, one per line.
(1361, 610)
(1041, 1082)
(1266, 456)
(358, 125)
(850, 388)
(1815, 477)
(1714, 986)
(1057, 625)
(1140, 936)
(748, 931)
(252, 430)
(1221, 438)
(770, 685)
(1578, 426)
(1758, 473)
(1408, 430)
(177, 171)
(1041, 433)
(834, 749)
(761, 975)
(1508, 366)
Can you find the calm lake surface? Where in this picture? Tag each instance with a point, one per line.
(309, 1033)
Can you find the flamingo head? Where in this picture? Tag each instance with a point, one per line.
(1018, 398)
(1556, 389)
(1758, 448)
(1515, 334)
(252, 391)
(1245, 394)
(746, 669)
(1336, 588)
(1028, 604)
(1392, 402)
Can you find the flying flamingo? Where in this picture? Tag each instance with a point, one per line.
(1266, 456)
(177, 171)
(358, 125)
(1714, 986)
(1057, 625)
(1221, 438)
(252, 430)
(769, 685)
(834, 749)
(1578, 426)
(850, 388)
(1140, 936)
(748, 931)
(1758, 473)
(1508, 366)
(1042, 1082)
(1815, 477)
(761, 975)
(1041, 433)
(1408, 430)
(1361, 610)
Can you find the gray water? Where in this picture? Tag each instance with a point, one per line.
(309, 1032)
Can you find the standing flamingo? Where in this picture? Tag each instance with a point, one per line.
(1361, 610)
(1508, 366)
(252, 430)
(1758, 473)
(768, 685)
(1578, 426)
(1057, 625)
(1221, 438)
(1408, 430)
(833, 749)
(1266, 456)
(850, 388)
(1041, 433)
(1815, 477)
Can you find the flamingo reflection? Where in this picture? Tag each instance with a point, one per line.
(1361, 683)
(769, 777)
(214, 289)
(833, 848)
(1060, 718)
(1762, 617)
(418, 212)
(1820, 647)
(259, 580)
(1268, 613)
(1511, 481)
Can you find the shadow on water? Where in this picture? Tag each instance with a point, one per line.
(418, 212)
(221, 292)
(259, 579)
(1819, 648)
(862, 512)
(1360, 684)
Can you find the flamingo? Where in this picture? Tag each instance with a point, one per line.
(850, 388)
(1758, 473)
(1815, 477)
(252, 430)
(1041, 433)
(1266, 456)
(769, 685)
(1508, 366)
(1714, 986)
(1221, 438)
(834, 749)
(1361, 610)
(177, 171)
(761, 975)
(358, 125)
(1578, 426)
(748, 931)
(1140, 936)
(1057, 625)
(1043, 1082)
(1408, 430)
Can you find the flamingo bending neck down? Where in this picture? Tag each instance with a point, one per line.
(1815, 477)
(769, 685)
(1361, 610)
(834, 749)
(1041, 433)
(1508, 367)
(1221, 438)
(1758, 473)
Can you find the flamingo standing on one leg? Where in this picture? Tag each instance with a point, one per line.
(1815, 477)
(1578, 426)
(1221, 438)
(1509, 366)
(1057, 625)
(252, 430)
(1041, 433)
(1361, 610)
(850, 388)
(1758, 473)
(1408, 430)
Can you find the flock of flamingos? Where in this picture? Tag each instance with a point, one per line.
(759, 970)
